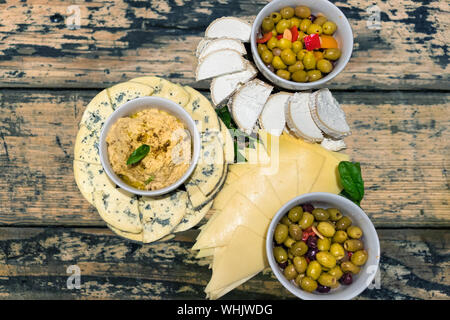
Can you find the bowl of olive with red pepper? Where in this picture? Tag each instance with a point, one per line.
(301, 44)
(323, 246)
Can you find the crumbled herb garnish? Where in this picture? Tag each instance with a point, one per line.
(152, 177)
(138, 154)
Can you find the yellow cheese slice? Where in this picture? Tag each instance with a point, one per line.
(243, 257)
(284, 181)
(216, 294)
(239, 212)
(256, 188)
(206, 252)
(232, 177)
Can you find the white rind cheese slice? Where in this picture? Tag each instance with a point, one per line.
(333, 145)
(272, 118)
(223, 87)
(218, 63)
(247, 103)
(231, 268)
(229, 27)
(86, 145)
(119, 209)
(222, 43)
(126, 91)
(162, 214)
(201, 45)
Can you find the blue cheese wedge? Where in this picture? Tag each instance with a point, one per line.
(127, 235)
(97, 111)
(119, 209)
(126, 91)
(192, 217)
(202, 111)
(86, 145)
(165, 89)
(90, 178)
(161, 215)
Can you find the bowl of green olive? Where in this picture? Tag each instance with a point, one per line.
(322, 246)
(301, 44)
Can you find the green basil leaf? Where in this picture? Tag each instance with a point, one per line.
(351, 180)
(138, 154)
(225, 115)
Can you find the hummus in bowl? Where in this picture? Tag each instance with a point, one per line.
(149, 146)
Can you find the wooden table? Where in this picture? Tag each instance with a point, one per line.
(394, 91)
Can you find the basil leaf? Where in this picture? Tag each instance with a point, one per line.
(225, 115)
(149, 179)
(138, 154)
(351, 180)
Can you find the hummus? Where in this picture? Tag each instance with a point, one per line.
(170, 149)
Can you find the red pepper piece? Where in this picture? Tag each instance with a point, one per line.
(279, 36)
(349, 254)
(294, 31)
(312, 42)
(265, 38)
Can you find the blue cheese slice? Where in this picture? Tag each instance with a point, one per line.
(161, 215)
(165, 89)
(127, 235)
(86, 145)
(97, 111)
(192, 217)
(126, 91)
(119, 209)
(202, 111)
(89, 178)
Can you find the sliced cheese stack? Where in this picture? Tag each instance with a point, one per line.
(252, 194)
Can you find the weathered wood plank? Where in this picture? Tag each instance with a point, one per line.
(415, 264)
(118, 40)
(401, 140)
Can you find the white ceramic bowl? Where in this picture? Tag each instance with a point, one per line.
(343, 35)
(359, 218)
(137, 105)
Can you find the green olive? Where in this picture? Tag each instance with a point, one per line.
(295, 22)
(320, 20)
(289, 272)
(320, 214)
(326, 259)
(348, 266)
(305, 24)
(307, 220)
(335, 214)
(261, 48)
(281, 233)
(309, 61)
(337, 251)
(280, 254)
(276, 16)
(300, 264)
(272, 43)
(295, 214)
(359, 257)
(325, 66)
(323, 244)
(327, 279)
(314, 270)
(297, 66)
(288, 242)
(336, 272)
(314, 75)
(301, 54)
(284, 74)
(308, 284)
(329, 27)
(340, 236)
(299, 278)
(267, 24)
(343, 223)
(302, 12)
(298, 249)
(353, 245)
(284, 43)
(314, 28)
(354, 232)
(279, 64)
(276, 51)
(287, 12)
(297, 46)
(301, 36)
(288, 56)
(282, 25)
(285, 220)
(295, 232)
(299, 76)
(267, 56)
(332, 54)
(326, 229)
